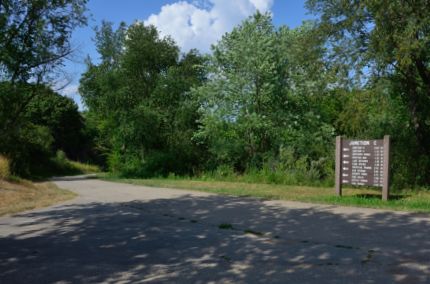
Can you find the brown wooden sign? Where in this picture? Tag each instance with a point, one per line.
(363, 162)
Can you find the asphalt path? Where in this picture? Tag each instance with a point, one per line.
(120, 233)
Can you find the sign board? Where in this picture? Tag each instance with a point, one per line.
(362, 162)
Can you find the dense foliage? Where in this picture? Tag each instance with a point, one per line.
(266, 103)
(260, 104)
(34, 121)
(50, 123)
(139, 95)
(386, 45)
(269, 100)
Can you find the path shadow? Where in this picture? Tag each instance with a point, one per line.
(214, 238)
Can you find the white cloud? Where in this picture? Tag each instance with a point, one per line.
(262, 5)
(70, 90)
(201, 23)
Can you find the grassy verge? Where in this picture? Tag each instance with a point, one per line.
(82, 168)
(61, 166)
(416, 201)
(21, 195)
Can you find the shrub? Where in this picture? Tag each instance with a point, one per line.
(224, 172)
(61, 157)
(4, 168)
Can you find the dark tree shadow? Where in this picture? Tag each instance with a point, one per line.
(214, 238)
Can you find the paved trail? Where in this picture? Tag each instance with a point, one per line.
(119, 233)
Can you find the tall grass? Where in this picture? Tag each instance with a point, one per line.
(64, 166)
(4, 168)
(300, 175)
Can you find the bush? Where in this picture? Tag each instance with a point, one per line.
(60, 158)
(224, 172)
(4, 168)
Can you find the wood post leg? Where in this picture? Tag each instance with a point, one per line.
(338, 167)
(386, 169)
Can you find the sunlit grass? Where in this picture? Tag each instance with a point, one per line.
(21, 195)
(417, 201)
(84, 168)
(4, 167)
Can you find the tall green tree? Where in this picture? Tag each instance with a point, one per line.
(261, 96)
(243, 94)
(140, 95)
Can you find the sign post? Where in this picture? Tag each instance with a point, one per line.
(338, 171)
(386, 169)
(363, 162)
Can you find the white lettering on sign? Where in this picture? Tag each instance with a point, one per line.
(362, 162)
(356, 143)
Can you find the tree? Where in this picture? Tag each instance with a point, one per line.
(241, 96)
(34, 41)
(34, 36)
(51, 122)
(110, 43)
(262, 96)
(387, 40)
(61, 116)
(139, 94)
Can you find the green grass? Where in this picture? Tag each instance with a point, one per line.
(84, 168)
(406, 200)
(61, 166)
(4, 167)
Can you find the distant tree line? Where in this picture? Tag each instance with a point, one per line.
(268, 100)
(266, 103)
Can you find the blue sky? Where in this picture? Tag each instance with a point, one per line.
(192, 23)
